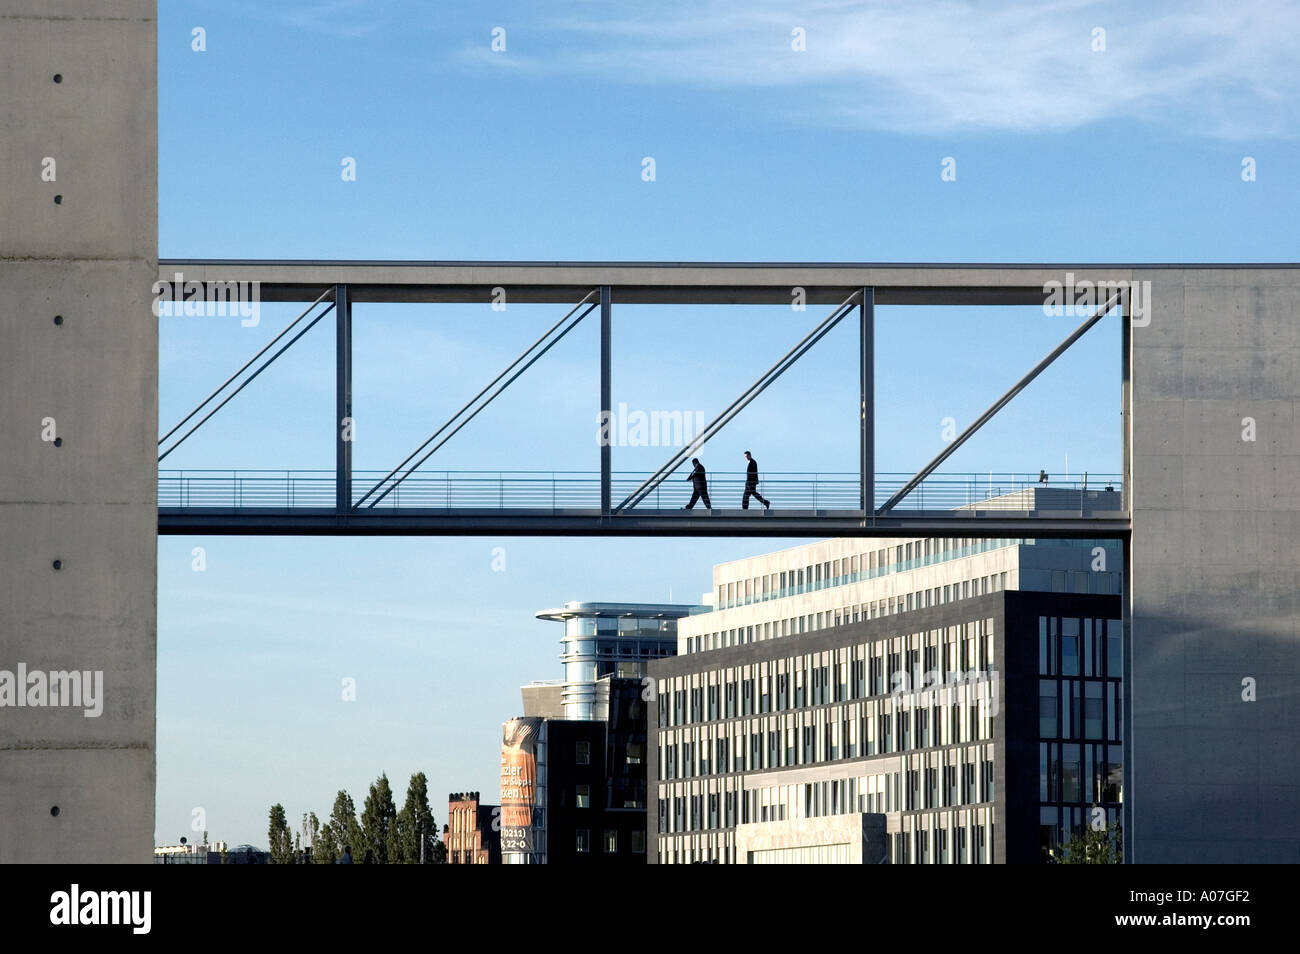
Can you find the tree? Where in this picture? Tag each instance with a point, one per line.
(278, 833)
(310, 833)
(1095, 846)
(340, 831)
(377, 820)
(327, 849)
(415, 828)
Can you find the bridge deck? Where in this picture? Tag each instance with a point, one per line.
(525, 503)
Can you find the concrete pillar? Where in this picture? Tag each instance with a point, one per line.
(78, 361)
(1216, 568)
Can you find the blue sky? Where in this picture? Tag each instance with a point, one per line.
(763, 153)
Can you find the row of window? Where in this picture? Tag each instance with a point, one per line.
(610, 841)
(875, 609)
(1091, 709)
(1074, 773)
(619, 626)
(868, 669)
(952, 837)
(944, 846)
(811, 737)
(1069, 646)
(953, 778)
(851, 569)
(871, 565)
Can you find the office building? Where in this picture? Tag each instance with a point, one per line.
(574, 791)
(609, 639)
(798, 724)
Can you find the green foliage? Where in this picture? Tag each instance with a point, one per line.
(391, 836)
(310, 832)
(1104, 846)
(326, 849)
(341, 830)
(414, 821)
(377, 821)
(278, 833)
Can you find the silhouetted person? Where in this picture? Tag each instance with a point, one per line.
(699, 484)
(346, 857)
(370, 857)
(1042, 477)
(751, 485)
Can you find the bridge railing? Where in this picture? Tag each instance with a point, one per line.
(577, 490)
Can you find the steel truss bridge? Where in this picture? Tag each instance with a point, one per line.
(414, 499)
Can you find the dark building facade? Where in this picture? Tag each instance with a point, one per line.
(983, 730)
(590, 788)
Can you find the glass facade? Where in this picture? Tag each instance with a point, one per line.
(1080, 726)
(610, 639)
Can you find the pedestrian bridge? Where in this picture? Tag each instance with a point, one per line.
(413, 498)
(568, 502)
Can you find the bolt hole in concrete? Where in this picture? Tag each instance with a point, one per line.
(58, 319)
(58, 200)
(58, 77)
(58, 564)
(55, 811)
(58, 442)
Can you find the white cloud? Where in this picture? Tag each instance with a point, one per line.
(339, 18)
(1200, 67)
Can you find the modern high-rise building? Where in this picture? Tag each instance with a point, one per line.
(611, 639)
(962, 698)
(573, 768)
(574, 791)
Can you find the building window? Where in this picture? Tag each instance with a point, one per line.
(638, 843)
(582, 754)
(611, 841)
(584, 841)
(584, 796)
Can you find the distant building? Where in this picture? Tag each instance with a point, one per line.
(188, 854)
(574, 791)
(472, 835)
(610, 639)
(242, 855)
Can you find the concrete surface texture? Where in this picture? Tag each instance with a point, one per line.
(1213, 775)
(78, 110)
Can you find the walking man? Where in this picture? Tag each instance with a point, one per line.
(699, 484)
(751, 485)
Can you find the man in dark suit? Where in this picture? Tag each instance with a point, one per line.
(751, 485)
(699, 484)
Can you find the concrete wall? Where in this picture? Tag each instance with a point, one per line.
(89, 503)
(1216, 568)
